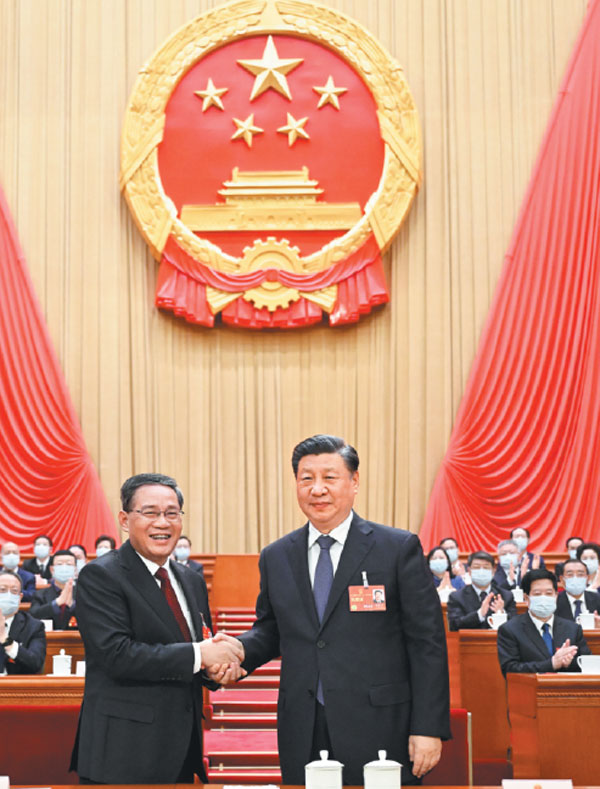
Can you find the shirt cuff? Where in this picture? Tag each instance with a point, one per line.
(481, 618)
(197, 657)
(12, 650)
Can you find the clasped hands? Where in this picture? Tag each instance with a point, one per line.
(493, 602)
(222, 656)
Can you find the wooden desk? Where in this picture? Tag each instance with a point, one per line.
(554, 726)
(33, 689)
(70, 641)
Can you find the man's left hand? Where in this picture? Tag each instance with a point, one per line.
(424, 753)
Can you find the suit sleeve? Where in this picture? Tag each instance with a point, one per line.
(41, 608)
(509, 655)
(582, 647)
(510, 606)
(261, 643)
(459, 618)
(425, 639)
(30, 659)
(28, 588)
(109, 636)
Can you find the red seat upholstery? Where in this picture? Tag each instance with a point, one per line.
(454, 768)
(36, 743)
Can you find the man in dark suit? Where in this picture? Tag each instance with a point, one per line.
(574, 599)
(355, 677)
(470, 607)
(182, 553)
(22, 638)
(527, 559)
(57, 601)
(539, 641)
(145, 624)
(40, 564)
(11, 557)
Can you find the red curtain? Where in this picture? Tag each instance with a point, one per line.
(525, 449)
(47, 481)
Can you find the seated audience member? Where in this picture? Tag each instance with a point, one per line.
(57, 602)
(10, 561)
(40, 564)
(450, 545)
(104, 544)
(575, 600)
(22, 638)
(470, 607)
(439, 564)
(80, 554)
(589, 553)
(539, 641)
(527, 559)
(572, 544)
(182, 552)
(507, 573)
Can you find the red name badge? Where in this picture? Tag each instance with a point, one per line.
(367, 598)
(206, 631)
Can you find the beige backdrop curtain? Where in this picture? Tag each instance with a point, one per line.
(221, 409)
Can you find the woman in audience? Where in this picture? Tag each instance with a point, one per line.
(589, 553)
(441, 569)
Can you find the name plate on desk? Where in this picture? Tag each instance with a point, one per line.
(536, 783)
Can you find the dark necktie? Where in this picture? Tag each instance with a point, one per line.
(169, 593)
(547, 638)
(577, 608)
(482, 596)
(323, 575)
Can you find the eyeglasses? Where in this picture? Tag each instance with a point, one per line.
(171, 515)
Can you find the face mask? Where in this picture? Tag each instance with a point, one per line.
(521, 543)
(452, 554)
(438, 565)
(542, 605)
(11, 560)
(79, 564)
(481, 577)
(41, 551)
(9, 603)
(575, 586)
(182, 554)
(102, 550)
(63, 573)
(573, 553)
(592, 565)
(507, 559)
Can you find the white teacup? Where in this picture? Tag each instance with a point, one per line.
(48, 625)
(80, 668)
(518, 594)
(497, 619)
(61, 664)
(589, 664)
(586, 621)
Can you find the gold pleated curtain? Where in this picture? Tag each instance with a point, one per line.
(221, 409)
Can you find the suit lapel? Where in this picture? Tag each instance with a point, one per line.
(17, 626)
(359, 542)
(148, 588)
(297, 553)
(191, 597)
(532, 634)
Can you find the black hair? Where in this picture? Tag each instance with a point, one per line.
(523, 528)
(105, 538)
(43, 537)
(484, 556)
(443, 540)
(439, 548)
(323, 444)
(541, 574)
(573, 561)
(591, 546)
(574, 537)
(81, 548)
(129, 487)
(63, 552)
(185, 537)
(14, 575)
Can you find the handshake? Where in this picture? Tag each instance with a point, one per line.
(222, 656)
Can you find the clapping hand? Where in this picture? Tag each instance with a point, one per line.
(564, 656)
(497, 604)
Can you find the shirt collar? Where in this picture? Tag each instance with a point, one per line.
(152, 566)
(8, 622)
(339, 534)
(572, 599)
(539, 624)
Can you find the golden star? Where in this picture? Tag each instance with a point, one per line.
(211, 95)
(329, 94)
(294, 129)
(246, 129)
(270, 71)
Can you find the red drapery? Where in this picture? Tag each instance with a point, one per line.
(525, 449)
(47, 481)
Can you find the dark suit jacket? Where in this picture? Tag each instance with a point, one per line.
(141, 696)
(384, 673)
(522, 650)
(563, 607)
(31, 565)
(501, 577)
(198, 567)
(31, 637)
(464, 604)
(43, 607)
(28, 581)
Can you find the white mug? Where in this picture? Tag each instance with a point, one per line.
(589, 664)
(61, 664)
(497, 619)
(586, 621)
(80, 668)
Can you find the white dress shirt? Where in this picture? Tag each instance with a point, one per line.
(152, 568)
(584, 608)
(339, 534)
(539, 624)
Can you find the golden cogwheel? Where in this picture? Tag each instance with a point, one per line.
(271, 256)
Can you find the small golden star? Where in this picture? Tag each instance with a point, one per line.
(246, 129)
(294, 129)
(329, 94)
(270, 71)
(211, 95)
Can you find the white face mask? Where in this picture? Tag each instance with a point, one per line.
(542, 605)
(182, 553)
(63, 572)
(507, 559)
(482, 577)
(521, 542)
(102, 550)
(572, 553)
(80, 563)
(452, 554)
(11, 560)
(592, 565)
(41, 551)
(9, 603)
(438, 565)
(575, 585)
